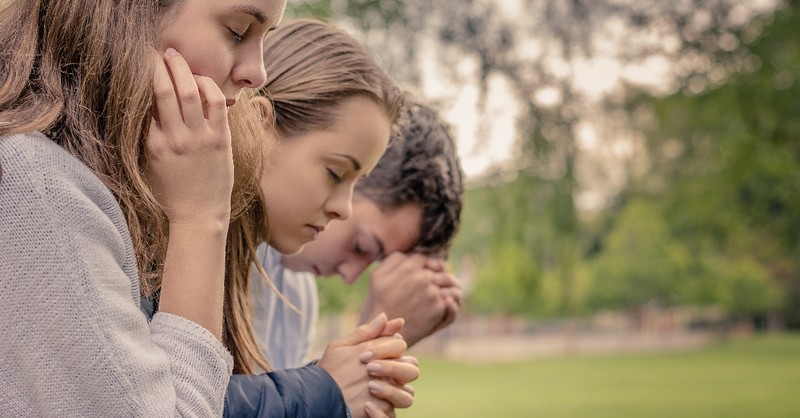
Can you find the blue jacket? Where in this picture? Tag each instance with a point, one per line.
(305, 392)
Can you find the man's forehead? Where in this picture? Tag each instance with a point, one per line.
(395, 230)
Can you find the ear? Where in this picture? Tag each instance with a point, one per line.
(267, 110)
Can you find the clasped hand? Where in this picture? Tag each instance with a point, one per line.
(369, 366)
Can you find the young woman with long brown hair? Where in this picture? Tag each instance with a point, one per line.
(118, 177)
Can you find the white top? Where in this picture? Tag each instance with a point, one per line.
(73, 340)
(284, 335)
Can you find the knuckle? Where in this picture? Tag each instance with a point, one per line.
(163, 93)
(179, 146)
(216, 102)
(190, 97)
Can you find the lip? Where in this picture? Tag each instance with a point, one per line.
(316, 229)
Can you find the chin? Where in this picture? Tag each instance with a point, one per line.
(288, 248)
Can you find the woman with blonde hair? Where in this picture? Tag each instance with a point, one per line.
(329, 110)
(118, 178)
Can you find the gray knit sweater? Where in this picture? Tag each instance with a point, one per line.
(73, 341)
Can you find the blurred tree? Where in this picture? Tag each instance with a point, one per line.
(725, 157)
(745, 289)
(536, 48)
(640, 263)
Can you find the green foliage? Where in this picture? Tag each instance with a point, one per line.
(511, 276)
(334, 296)
(745, 288)
(725, 164)
(320, 9)
(715, 220)
(509, 227)
(639, 263)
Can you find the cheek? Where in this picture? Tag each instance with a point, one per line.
(205, 57)
(216, 67)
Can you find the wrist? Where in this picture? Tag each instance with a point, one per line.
(200, 226)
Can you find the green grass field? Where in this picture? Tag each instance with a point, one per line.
(754, 378)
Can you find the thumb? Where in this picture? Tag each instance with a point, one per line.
(364, 332)
(393, 327)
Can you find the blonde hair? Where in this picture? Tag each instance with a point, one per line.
(312, 68)
(80, 71)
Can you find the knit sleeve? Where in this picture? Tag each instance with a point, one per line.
(73, 340)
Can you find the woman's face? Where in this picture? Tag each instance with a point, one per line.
(222, 39)
(309, 178)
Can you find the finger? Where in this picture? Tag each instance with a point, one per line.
(453, 293)
(409, 389)
(363, 333)
(166, 110)
(394, 394)
(373, 411)
(393, 327)
(399, 371)
(410, 360)
(451, 311)
(458, 296)
(386, 348)
(374, 349)
(186, 88)
(400, 263)
(216, 110)
(435, 264)
(390, 263)
(445, 280)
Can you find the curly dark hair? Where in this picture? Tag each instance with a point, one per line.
(420, 166)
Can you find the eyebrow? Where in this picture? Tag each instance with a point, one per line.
(356, 163)
(257, 13)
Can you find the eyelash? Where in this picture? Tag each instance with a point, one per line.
(358, 249)
(336, 178)
(236, 37)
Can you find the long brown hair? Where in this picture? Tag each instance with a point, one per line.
(80, 71)
(312, 67)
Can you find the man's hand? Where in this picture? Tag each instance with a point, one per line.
(416, 288)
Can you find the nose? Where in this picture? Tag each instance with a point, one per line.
(250, 71)
(340, 204)
(351, 269)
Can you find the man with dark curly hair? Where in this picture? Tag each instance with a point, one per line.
(405, 214)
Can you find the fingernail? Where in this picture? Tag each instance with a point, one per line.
(365, 356)
(378, 320)
(398, 336)
(374, 386)
(369, 405)
(171, 52)
(374, 367)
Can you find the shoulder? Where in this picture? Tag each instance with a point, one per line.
(33, 165)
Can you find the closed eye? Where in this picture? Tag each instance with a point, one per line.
(336, 178)
(237, 38)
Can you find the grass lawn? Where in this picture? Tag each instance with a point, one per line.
(758, 377)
